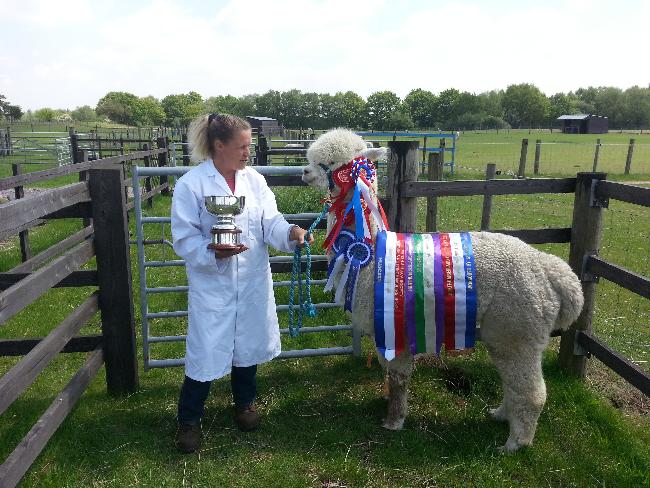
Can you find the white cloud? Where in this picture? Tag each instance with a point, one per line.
(160, 47)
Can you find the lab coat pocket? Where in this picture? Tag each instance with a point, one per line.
(208, 292)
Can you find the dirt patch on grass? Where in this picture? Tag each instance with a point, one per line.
(620, 394)
(10, 194)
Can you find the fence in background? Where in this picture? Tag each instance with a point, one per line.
(553, 158)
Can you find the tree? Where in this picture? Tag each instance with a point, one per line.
(13, 112)
(9, 111)
(181, 109)
(3, 105)
(148, 111)
(561, 104)
(491, 102)
(381, 106)
(44, 114)
(637, 107)
(611, 102)
(421, 105)
(330, 114)
(399, 120)
(119, 107)
(225, 104)
(291, 108)
(268, 104)
(352, 110)
(85, 113)
(525, 105)
(446, 107)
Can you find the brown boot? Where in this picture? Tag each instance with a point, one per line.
(188, 437)
(247, 418)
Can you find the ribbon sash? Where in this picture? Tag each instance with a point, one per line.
(424, 293)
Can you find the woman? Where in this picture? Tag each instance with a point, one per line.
(233, 325)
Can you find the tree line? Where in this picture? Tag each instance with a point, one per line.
(518, 106)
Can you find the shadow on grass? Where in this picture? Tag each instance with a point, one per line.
(322, 422)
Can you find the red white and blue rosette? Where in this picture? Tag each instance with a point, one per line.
(343, 271)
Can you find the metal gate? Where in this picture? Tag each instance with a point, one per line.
(145, 290)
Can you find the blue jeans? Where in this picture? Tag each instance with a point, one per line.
(191, 403)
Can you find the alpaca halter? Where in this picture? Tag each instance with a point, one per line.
(358, 175)
(352, 248)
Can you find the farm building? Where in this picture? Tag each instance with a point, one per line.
(265, 125)
(584, 124)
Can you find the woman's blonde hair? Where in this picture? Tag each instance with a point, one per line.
(207, 129)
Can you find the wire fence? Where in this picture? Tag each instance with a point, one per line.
(554, 158)
(622, 318)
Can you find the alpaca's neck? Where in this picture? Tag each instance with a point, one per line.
(331, 219)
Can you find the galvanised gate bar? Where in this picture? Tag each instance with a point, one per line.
(276, 176)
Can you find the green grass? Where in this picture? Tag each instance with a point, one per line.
(322, 416)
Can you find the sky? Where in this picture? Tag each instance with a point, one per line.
(67, 53)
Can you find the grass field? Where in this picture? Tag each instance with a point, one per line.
(322, 417)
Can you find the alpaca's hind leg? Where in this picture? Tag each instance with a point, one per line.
(399, 372)
(524, 395)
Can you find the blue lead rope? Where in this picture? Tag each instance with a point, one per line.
(306, 306)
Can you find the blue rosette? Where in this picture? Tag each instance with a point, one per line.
(358, 254)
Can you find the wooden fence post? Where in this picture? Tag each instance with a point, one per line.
(596, 155)
(538, 150)
(19, 192)
(424, 153)
(628, 160)
(162, 161)
(186, 150)
(114, 277)
(586, 231)
(435, 174)
(99, 145)
(402, 167)
(82, 157)
(74, 145)
(522, 159)
(147, 179)
(443, 145)
(490, 173)
(261, 150)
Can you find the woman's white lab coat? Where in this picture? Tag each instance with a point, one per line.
(232, 318)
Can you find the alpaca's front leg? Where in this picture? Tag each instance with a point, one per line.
(399, 372)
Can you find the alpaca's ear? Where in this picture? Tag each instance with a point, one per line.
(375, 153)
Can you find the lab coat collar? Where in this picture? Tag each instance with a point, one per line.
(212, 171)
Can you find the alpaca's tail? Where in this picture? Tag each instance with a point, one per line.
(567, 285)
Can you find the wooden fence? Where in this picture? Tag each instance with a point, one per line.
(592, 193)
(100, 200)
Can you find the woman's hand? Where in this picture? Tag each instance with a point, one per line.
(227, 253)
(298, 234)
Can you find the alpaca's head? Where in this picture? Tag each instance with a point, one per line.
(332, 150)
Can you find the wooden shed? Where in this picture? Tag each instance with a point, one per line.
(265, 125)
(584, 124)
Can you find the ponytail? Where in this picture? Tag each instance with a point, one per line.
(206, 129)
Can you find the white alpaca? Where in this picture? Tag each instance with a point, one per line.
(523, 295)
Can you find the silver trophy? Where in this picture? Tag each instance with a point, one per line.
(225, 234)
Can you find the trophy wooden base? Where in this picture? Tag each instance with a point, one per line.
(224, 247)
